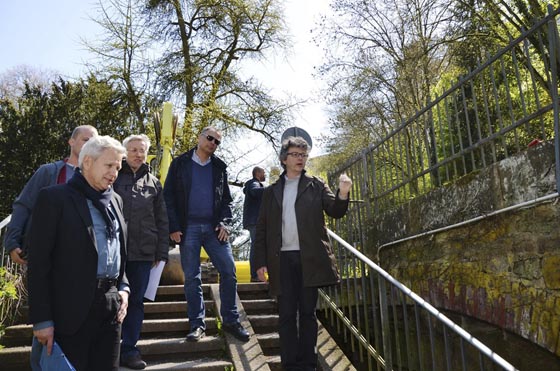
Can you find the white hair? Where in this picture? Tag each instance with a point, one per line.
(95, 147)
(141, 137)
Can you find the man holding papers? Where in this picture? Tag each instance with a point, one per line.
(148, 238)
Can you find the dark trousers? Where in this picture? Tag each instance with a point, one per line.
(297, 319)
(138, 274)
(95, 347)
(253, 234)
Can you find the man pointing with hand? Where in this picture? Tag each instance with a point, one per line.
(292, 246)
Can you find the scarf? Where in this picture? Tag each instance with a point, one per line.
(101, 200)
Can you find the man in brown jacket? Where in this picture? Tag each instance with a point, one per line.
(293, 248)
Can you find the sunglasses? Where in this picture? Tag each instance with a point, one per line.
(211, 138)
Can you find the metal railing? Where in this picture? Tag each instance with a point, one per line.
(507, 103)
(389, 327)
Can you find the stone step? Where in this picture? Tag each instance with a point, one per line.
(177, 291)
(156, 351)
(15, 358)
(269, 342)
(151, 326)
(253, 290)
(155, 348)
(20, 335)
(263, 323)
(202, 364)
(173, 309)
(259, 306)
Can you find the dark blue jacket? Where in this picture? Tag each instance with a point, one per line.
(253, 190)
(178, 186)
(45, 176)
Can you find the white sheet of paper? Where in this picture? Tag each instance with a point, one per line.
(153, 283)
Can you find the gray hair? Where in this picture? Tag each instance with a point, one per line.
(210, 128)
(78, 129)
(141, 137)
(95, 147)
(291, 142)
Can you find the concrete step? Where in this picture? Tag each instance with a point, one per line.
(202, 364)
(269, 342)
(264, 323)
(17, 335)
(260, 306)
(15, 358)
(20, 335)
(177, 292)
(156, 348)
(253, 290)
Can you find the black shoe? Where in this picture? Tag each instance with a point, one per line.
(196, 334)
(236, 330)
(134, 362)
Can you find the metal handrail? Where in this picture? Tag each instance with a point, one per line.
(382, 354)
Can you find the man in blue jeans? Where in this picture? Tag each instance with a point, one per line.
(198, 202)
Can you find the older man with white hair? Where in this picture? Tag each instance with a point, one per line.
(78, 291)
(148, 238)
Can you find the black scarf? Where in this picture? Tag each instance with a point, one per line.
(101, 200)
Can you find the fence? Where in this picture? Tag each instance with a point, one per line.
(390, 327)
(506, 104)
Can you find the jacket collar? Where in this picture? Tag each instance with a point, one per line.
(305, 181)
(143, 170)
(216, 161)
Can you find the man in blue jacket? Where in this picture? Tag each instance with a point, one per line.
(253, 191)
(58, 172)
(198, 202)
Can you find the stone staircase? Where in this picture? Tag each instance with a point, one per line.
(163, 344)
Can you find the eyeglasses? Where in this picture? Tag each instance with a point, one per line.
(211, 138)
(298, 154)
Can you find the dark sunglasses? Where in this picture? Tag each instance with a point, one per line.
(211, 138)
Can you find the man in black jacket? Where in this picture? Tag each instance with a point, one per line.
(198, 207)
(253, 191)
(78, 291)
(293, 250)
(148, 237)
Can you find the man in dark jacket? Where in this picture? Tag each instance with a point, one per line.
(148, 237)
(198, 207)
(78, 291)
(58, 172)
(293, 248)
(253, 191)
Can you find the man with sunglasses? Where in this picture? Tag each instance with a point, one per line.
(198, 203)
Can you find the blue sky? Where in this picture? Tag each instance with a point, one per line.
(45, 34)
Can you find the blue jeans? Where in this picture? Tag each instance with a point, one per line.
(195, 236)
(253, 234)
(138, 274)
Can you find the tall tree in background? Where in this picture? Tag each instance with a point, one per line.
(36, 126)
(122, 56)
(382, 60)
(203, 44)
(191, 53)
